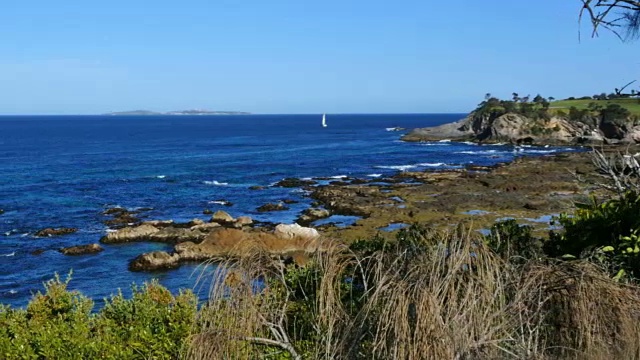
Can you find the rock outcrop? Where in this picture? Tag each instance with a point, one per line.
(294, 182)
(295, 231)
(48, 232)
(222, 217)
(312, 214)
(272, 207)
(224, 242)
(356, 200)
(130, 234)
(153, 261)
(174, 233)
(82, 249)
(517, 129)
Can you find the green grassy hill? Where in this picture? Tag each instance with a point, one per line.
(631, 104)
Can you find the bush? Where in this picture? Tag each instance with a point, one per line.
(513, 241)
(606, 232)
(59, 324)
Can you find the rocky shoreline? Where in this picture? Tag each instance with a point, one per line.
(530, 189)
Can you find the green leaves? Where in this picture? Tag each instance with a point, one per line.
(607, 232)
(59, 324)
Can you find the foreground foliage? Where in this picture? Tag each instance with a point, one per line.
(59, 324)
(422, 295)
(425, 295)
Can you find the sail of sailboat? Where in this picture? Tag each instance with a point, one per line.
(324, 120)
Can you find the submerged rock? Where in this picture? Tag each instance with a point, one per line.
(48, 232)
(256, 187)
(207, 212)
(294, 182)
(272, 207)
(82, 249)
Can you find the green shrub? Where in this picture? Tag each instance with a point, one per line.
(605, 231)
(59, 324)
(513, 241)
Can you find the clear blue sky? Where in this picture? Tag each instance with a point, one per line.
(286, 56)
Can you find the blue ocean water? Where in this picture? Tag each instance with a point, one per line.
(64, 171)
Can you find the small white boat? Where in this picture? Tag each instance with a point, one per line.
(324, 120)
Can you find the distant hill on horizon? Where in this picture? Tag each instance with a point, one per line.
(181, 112)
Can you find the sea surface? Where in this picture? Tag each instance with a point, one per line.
(64, 171)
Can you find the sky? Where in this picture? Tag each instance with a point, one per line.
(286, 56)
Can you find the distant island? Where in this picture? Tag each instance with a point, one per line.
(181, 112)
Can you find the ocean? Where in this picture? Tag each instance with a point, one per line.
(64, 171)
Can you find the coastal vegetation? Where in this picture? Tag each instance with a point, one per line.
(427, 293)
(424, 294)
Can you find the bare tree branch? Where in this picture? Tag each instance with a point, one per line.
(283, 345)
(601, 11)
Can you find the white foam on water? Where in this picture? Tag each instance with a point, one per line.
(397, 167)
(9, 254)
(481, 152)
(338, 177)
(215, 183)
(219, 202)
(374, 175)
(434, 144)
(161, 176)
(444, 141)
(432, 164)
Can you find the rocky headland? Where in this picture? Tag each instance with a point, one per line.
(531, 123)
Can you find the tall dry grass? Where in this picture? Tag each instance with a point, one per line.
(437, 296)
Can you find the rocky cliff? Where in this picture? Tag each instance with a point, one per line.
(517, 129)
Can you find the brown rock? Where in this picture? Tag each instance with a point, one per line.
(310, 215)
(242, 221)
(206, 227)
(82, 249)
(157, 260)
(272, 207)
(293, 182)
(195, 222)
(138, 233)
(178, 235)
(55, 232)
(159, 223)
(222, 217)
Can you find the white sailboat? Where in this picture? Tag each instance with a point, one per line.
(324, 120)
